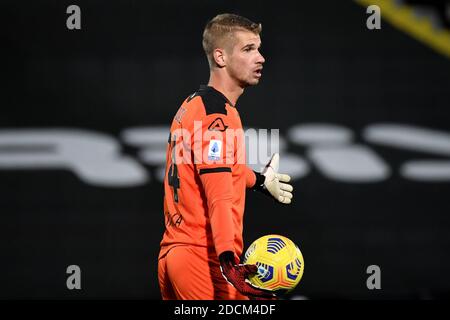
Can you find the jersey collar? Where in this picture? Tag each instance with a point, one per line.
(217, 92)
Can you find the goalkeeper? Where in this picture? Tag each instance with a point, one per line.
(206, 176)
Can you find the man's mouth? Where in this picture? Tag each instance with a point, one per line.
(258, 72)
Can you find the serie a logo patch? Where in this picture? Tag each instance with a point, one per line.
(214, 150)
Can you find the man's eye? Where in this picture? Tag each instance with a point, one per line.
(247, 49)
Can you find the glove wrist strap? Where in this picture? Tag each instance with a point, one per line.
(259, 184)
(227, 259)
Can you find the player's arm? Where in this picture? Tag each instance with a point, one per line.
(250, 177)
(270, 182)
(215, 171)
(209, 153)
(217, 184)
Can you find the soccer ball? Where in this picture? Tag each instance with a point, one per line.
(279, 261)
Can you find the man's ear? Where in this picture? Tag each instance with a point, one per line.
(219, 57)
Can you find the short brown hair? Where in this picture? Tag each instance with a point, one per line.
(221, 28)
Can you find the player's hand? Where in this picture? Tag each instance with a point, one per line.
(275, 183)
(237, 276)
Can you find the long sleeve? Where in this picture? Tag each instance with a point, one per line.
(217, 183)
(254, 180)
(250, 177)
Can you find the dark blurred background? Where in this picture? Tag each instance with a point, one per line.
(364, 122)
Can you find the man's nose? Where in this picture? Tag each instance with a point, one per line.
(261, 59)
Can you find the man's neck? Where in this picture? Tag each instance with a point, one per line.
(226, 86)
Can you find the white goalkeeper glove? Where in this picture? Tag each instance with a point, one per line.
(274, 182)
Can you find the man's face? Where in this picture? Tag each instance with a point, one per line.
(244, 62)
